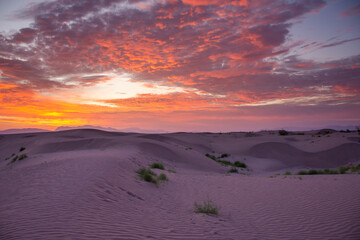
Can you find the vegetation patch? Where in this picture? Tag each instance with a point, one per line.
(225, 162)
(171, 170)
(22, 149)
(340, 170)
(162, 177)
(207, 207)
(157, 165)
(149, 176)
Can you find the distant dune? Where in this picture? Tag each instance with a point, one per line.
(23, 130)
(82, 184)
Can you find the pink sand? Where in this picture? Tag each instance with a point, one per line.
(82, 184)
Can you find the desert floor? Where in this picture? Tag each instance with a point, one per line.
(82, 184)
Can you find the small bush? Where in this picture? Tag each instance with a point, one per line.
(157, 165)
(22, 149)
(207, 207)
(162, 177)
(171, 170)
(233, 170)
(312, 172)
(287, 173)
(211, 156)
(224, 162)
(225, 155)
(343, 170)
(147, 175)
(302, 172)
(240, 164)
(283, 132)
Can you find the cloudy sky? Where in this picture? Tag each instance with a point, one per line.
(180, 65)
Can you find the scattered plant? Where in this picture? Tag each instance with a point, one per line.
(287, 173)
(162, 177)
(171, 170)
(240, 164)
(147, 175)
(22, 149)
(157, 165)
(208, 207)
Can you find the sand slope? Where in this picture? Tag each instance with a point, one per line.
(81, 184)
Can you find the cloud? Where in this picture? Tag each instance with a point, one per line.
(340, 42)
(351, 11)
(223, 54)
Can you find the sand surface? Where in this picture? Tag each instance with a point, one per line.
(82, 184)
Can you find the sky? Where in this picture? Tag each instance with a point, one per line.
(180, 65)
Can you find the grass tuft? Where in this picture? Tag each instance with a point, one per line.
(171, 170)
(287, 173)
(240, 164)
(157, 165)
(22, 149)
(147, 175)
(162, 177)
(208, 207)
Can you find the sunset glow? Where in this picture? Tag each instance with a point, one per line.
(180, 65)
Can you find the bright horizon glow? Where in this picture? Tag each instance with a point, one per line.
(180, 65)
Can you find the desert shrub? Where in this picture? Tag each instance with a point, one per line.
(302, 172)
(147, 175)
(224, 162)
(233, 170)
(162, 177)
(207, 207)
(188, 148)
(22, 149)
(225, 155)
(22, 156)
(312, 172)
(343, 170)
(171, 170)
(283, 132)
(240, 164)
(157, 165)
(211, 156)
(287, 173)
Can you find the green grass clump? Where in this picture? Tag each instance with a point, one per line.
(147, 175)
(225, 155)
(171, 170)
(240, 164)
(287, 173)
(233, 170)
(208, 207)
(312, 172)
(162, 177)
(157, 165)
(22, 149)
(211, 156)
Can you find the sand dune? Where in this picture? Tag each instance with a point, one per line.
(81, 184)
